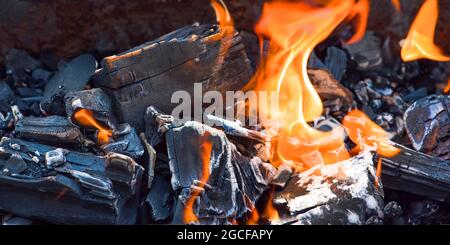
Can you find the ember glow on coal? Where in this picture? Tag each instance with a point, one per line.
(309, 115)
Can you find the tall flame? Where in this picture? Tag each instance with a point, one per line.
(86, 118)
(419, 43)
(397, 5)
(205, 151)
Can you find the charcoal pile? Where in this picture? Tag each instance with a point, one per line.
(94, 137)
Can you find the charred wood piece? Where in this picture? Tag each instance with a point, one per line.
(340, 193)
(52, 130)
(366, 54)
(126, 143)
(417, 173)
(156, 125)
(428, 125)
(72, 77)
(94, 100)
(235, 128)
(149, 74)
(336, 62)
(84, 189)
(235, 182)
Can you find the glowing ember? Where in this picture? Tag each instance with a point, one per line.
(361, 12)
(86, 118)
(396, 4)
(205, 151)
(419, 43)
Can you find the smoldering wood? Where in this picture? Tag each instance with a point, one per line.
(94, 100)
(149, 74)
(86, 189)
(53, 130)
(417, 173)
(72, 77)
(340, 193)
(427, 123)
(127, 143)
(235, 181)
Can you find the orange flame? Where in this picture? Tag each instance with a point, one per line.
(270, 212)
(397, 5)
(378, 173)
(361, 11)
(86, 118)
(447, 88)
(254, 217)
(367, 134)
(419, 43)
(222, 15)
(205, 151)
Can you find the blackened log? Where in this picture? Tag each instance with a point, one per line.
(149, 74)
(72, 77)
(85, 189)
(53, 130)
(417, 173)
(339, 193)
(427, 123)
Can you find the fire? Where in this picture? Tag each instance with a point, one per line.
(447, 88)
(419, 43)
(205, 151)
(270, 213)
(361, 11)
(397, 5)
(222, 15)
(86, 118)
(253, 218)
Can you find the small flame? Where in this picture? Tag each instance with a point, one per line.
(86, 118)
(378, 173)
(205, 151)
(367, 134)
(361, 12)
(447, 88)
(253, 218)
(270, 212)
(397, 5)
(419, 43)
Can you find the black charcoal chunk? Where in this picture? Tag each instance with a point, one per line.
(282, 176)
(428, 122)
(366, 54)
(315, 63)
(94, 100)
(156, 125)
(416, 95)
(29, 92)
(235, 182)
(20, 64)
(6, 97)
(336, 62)
(14, 165)
(128, 143)
(339, 193)
(41, 75)
(160, 199)
(53, 130)
(85, 189)
(72, 77)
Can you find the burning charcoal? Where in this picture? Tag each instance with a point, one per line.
(417, 173)
(336, 98)
(72, 77)
(6, 97)
(235, 128)
(126, 143)
(149, 74)
(94, 100)
(366, 54)
(336, 62)
(53, 130)
(20, 64)
(340, 193)
(234, 181)
(96, 190)
(428, 124)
